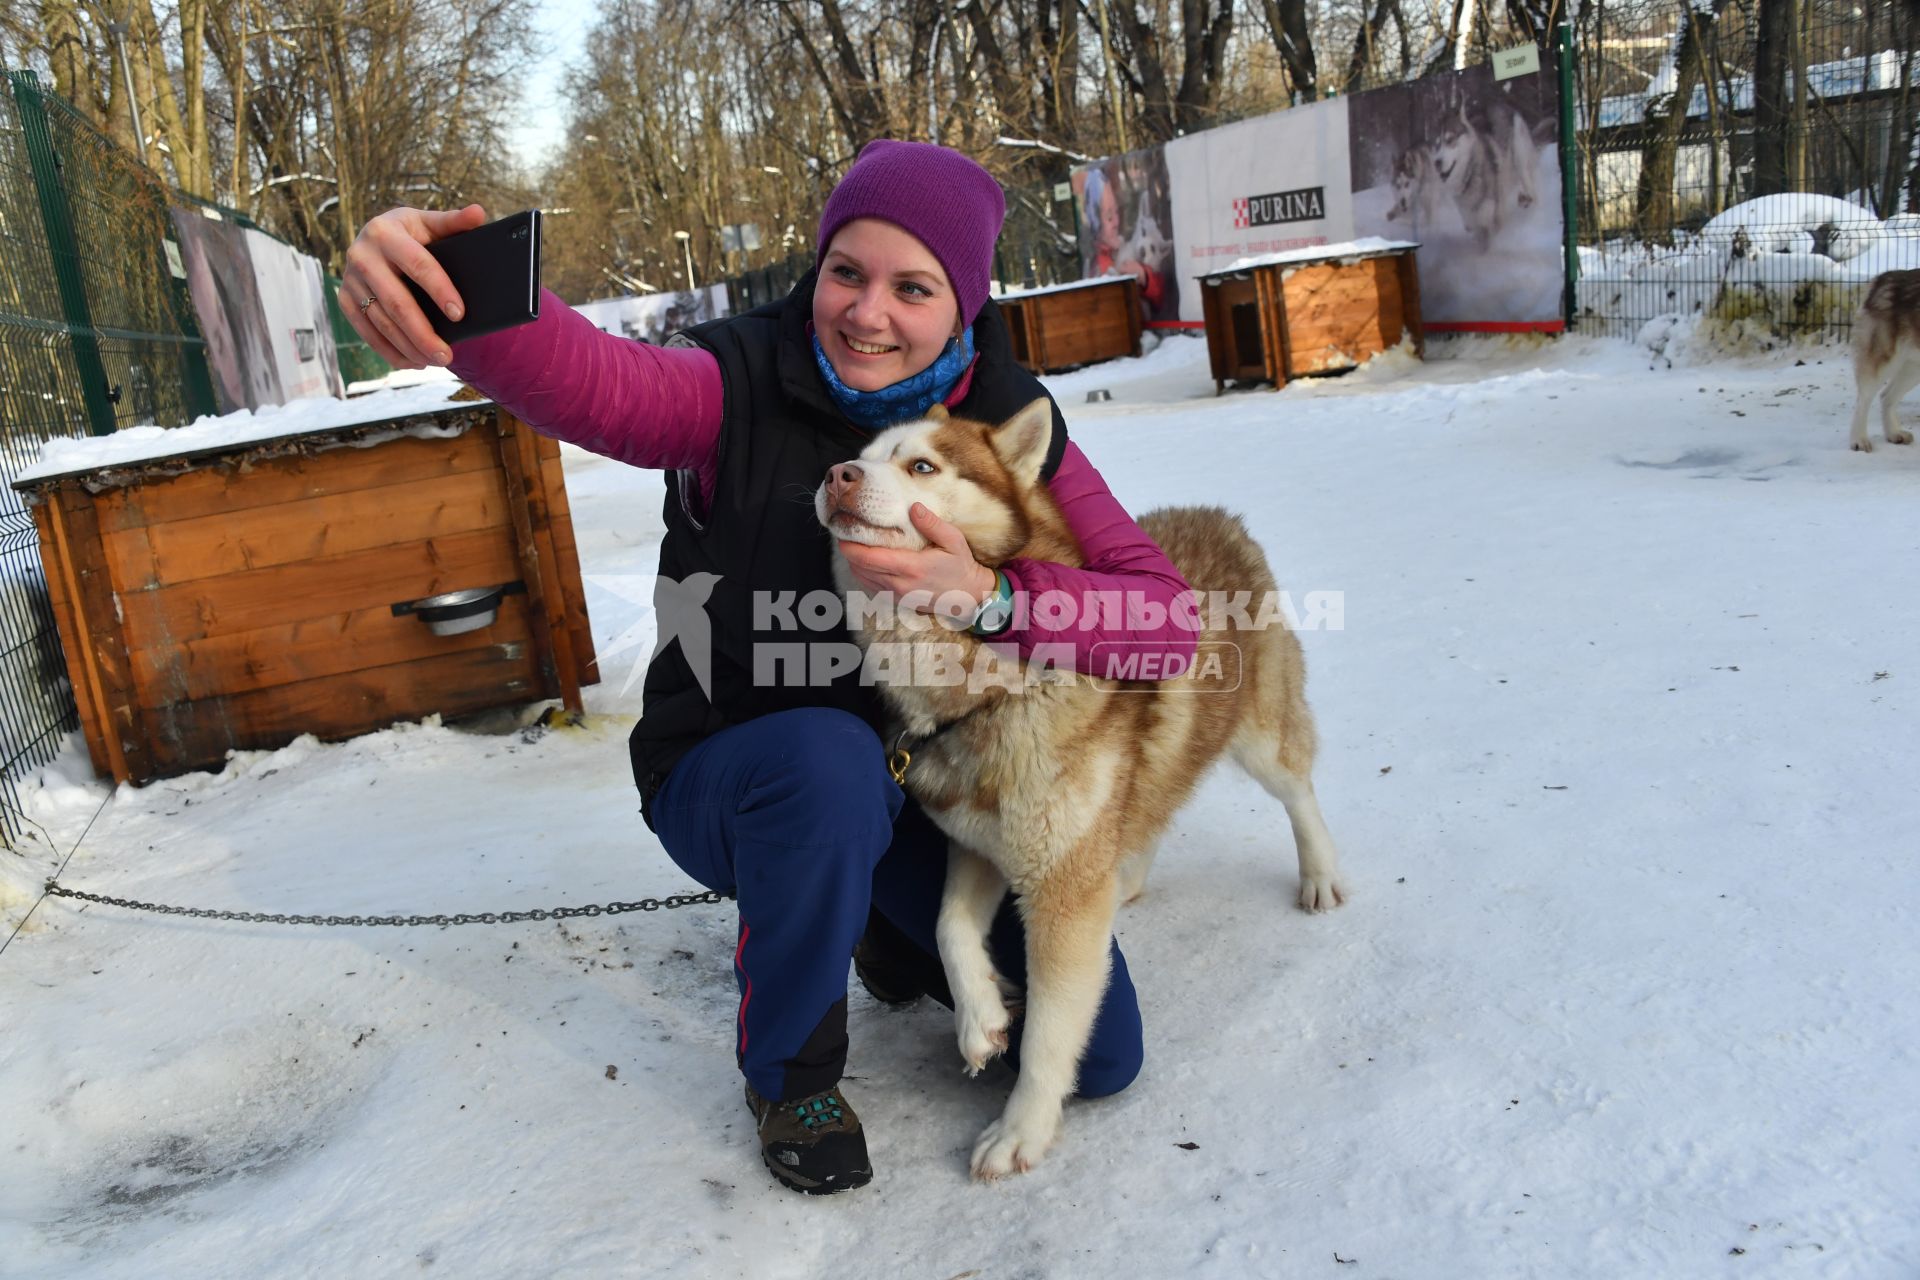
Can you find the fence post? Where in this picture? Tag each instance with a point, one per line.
(1569, 173)
(64, 251)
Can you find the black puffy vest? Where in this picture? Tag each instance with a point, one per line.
(780, 432)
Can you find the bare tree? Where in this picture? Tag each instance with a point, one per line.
(1293, 37)
(1364, 58)
(1666, 119)
(343, 107)
(1169, 107)
(859, 101)
(1772, 113)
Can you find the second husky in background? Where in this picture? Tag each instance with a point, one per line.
(1059, 787)
(1417, 192)
(1485, 159)
(1886, 354)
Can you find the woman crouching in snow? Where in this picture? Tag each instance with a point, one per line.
(780, 795)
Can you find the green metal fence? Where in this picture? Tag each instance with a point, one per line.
(1708, 194)
(96, 332)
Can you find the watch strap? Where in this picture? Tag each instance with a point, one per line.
(995, 615)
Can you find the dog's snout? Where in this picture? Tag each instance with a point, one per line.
(842, 477)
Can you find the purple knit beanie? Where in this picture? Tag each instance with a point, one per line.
(949, 203)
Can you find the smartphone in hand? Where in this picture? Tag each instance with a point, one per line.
(496, 271)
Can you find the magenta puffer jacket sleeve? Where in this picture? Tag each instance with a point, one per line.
(1129, 599)
(660, 407)
(657, 407)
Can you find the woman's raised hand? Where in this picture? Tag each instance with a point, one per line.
(943, 570)
(373, 292)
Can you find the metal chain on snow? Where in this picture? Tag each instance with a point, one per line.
(57, 890)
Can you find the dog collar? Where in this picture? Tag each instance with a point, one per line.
(901, 756)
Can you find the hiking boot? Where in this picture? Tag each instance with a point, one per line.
(885, 980)
(892, 969)
(812, 1144)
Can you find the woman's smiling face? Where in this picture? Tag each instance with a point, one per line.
(882, 306)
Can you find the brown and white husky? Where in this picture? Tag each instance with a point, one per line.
(1886, 354)
(1056, 784)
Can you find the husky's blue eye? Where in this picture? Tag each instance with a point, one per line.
(924, 468)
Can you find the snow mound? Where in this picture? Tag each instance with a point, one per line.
(1895, 253)
(1796, 223)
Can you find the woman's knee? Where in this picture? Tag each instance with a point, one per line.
(820, 751)
(1117, 1047)
(1106, 1073)
(817, 780)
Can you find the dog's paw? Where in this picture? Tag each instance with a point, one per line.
(1006, 1148)
(982, 1021)
(1321, 893)
(1863, 445)
(1900, 437)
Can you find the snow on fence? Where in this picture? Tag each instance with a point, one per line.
(1766, 271)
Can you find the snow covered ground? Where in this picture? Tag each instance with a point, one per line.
(1617, 738)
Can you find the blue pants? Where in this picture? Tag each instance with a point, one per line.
(796, 814)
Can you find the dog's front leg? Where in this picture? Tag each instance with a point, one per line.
(1069, 928)
(973, 892)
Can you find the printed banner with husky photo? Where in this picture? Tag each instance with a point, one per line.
(1470, 168)
(655, 317)
(294, 301)
(1466, 166)
(262, 306)
(226, 298)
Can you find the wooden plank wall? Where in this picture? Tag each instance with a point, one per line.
(1339, 314)
(530, 508)
(1085, 326)
(1320, 318)
(81, 592)
(1054, 331)
(236, 608)
(567, 552)
(1409, 277)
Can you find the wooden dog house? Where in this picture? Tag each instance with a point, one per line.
(1068, 325)
(1316, 310)
(238, 594)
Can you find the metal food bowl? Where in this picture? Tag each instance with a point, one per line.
(457, 612)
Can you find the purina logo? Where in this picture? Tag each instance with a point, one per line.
(1308, 204)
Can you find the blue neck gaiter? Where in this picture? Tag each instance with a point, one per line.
(905, 400)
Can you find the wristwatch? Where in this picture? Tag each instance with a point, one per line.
(995, 614)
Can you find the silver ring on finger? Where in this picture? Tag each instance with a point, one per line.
(370, 300)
